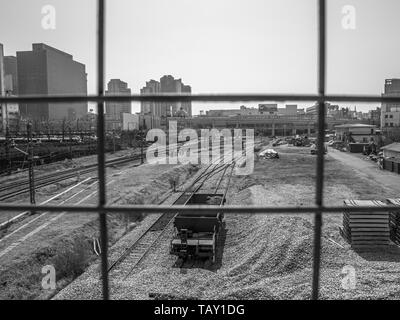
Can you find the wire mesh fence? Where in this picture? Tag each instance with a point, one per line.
(318, 210)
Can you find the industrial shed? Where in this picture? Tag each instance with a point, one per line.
(391, 150)
(361, 133)
(391, 156)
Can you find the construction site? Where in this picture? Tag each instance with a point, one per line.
(231, 256)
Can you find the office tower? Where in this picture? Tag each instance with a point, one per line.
(167, 84)
(11, 74)
(114, 110)
(49, 71)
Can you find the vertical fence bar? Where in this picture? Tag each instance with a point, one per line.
(101, 147)
(321, 148)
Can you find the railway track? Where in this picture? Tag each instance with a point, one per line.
(135, 254)
(37, 224)
(12, 189)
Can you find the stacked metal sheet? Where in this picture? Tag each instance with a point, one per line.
(394, 221)
(366, 229)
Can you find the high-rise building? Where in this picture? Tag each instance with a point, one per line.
(167, 84)
(11, 74)
(49, 71)
(148, 107)
(114, 110)
(390, 112)
(2, 91)
(9, 112)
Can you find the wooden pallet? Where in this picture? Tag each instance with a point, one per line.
(394, 221)
(366, 229)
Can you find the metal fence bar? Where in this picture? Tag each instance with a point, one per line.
(199, 98)
(147, 209)
(101, 147)
(321, 150)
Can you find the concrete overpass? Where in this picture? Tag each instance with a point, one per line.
(266, 124)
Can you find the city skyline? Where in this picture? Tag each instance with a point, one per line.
(167, 84)
(117, 87)
(242, 54)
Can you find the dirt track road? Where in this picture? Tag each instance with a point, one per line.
(367, 169)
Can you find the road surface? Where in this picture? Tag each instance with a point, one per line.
(367, 169)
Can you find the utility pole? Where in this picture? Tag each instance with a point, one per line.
(30, 161)
(70, 142)
(113, 138)
(142, 139)
(63, 130)
(8, 138)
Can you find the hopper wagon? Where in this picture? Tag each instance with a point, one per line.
(196, 234)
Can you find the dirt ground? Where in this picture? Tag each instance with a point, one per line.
(270, 256)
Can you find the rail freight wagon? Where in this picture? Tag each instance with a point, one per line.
(197, 234)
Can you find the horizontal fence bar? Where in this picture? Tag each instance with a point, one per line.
(194, 209)
(199, 98)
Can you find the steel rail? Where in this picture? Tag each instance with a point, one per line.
(227, 185)
(228, 97)
(148, 209)
(220, 180)
(320, 149)
(101, 14)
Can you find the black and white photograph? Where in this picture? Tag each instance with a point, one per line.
(199, 156)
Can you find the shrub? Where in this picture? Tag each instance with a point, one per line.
(173, 182)
(71, 261)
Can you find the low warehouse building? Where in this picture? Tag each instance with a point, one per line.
(391, 156)
(357, 132)
(392, 150)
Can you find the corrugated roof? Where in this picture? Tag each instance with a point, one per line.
(355, 125)
(357, 203)
(395, 202)
(395, 146)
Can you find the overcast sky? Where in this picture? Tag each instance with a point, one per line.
(228, 46)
